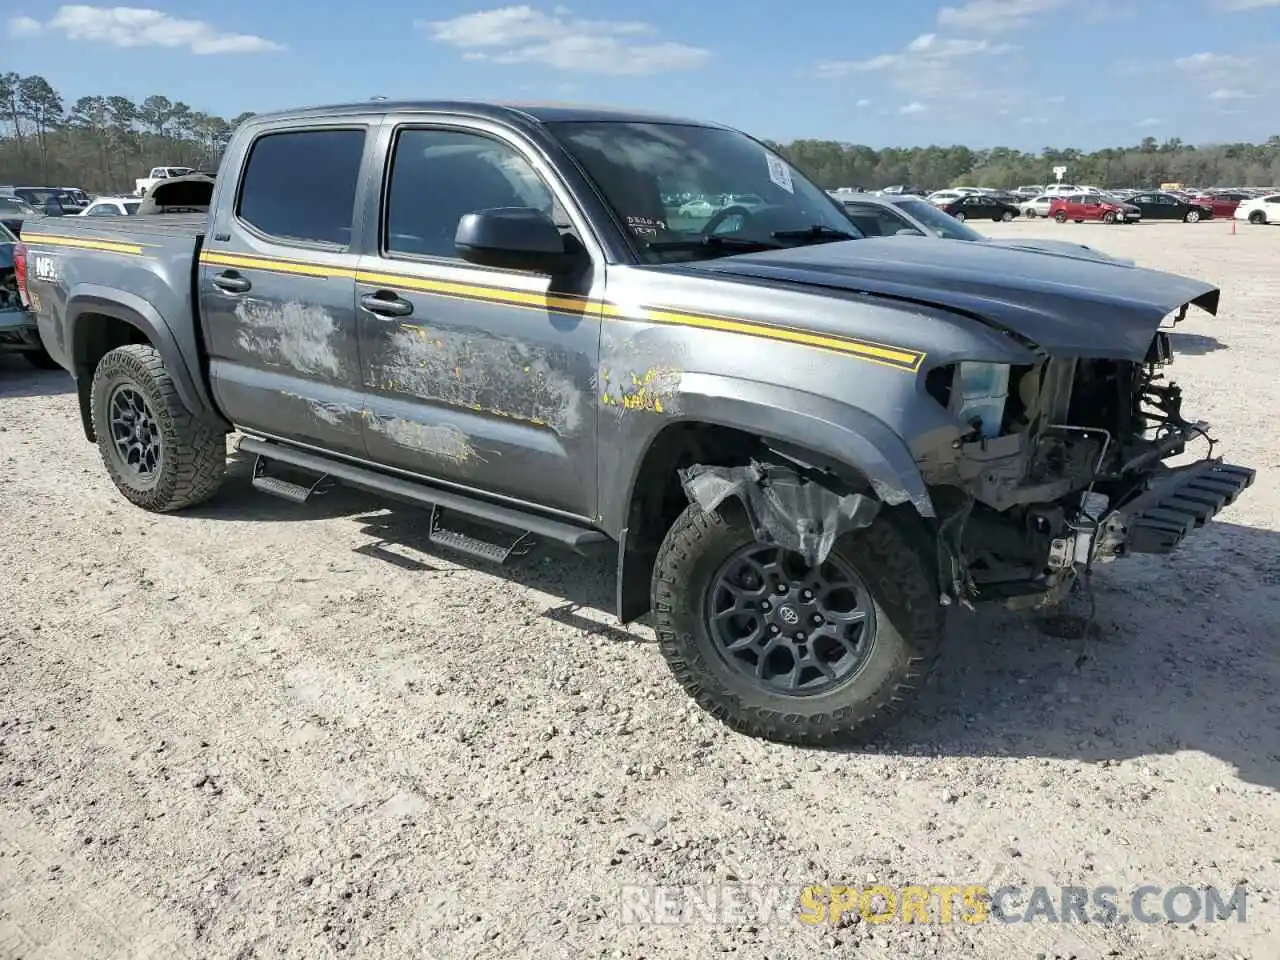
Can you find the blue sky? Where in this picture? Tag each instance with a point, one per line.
(1021, 73)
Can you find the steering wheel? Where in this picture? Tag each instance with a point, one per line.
(720, 216)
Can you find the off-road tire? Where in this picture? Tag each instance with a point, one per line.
(1257, 217)
(909, 630)
(194, 454)
(40, 359)
(1060, 217)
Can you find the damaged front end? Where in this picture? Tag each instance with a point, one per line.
(1064, 465)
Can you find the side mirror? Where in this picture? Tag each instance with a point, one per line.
(512, 238)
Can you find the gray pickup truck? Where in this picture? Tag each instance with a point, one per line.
(802, 445)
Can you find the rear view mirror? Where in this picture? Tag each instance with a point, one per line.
(512, 238)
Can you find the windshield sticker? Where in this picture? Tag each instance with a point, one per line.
(780, 173)
(645, 226)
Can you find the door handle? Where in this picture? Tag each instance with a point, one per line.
(231, 282)
(386, 303)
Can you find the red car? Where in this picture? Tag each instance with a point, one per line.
(1089, 206)
(1223, 204)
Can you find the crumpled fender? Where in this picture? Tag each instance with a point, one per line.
(795, 422)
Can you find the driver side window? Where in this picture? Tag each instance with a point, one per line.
(439, 176)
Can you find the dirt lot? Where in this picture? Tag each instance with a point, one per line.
(263, 730)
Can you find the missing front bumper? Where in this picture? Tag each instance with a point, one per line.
(1180, 502)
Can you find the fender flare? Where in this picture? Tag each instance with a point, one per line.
(792, 420)
(794, 423)
(138, 313)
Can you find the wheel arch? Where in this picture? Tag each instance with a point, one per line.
(99, 319)
(722, 429)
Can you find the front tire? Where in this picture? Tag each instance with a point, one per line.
(1257, 217)
(1006, 217)
(1108, 217)
(959, 216)
(1060, 217)
(1193, 216)
(773, 683)
(157, 454)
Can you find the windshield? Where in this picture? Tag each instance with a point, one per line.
(939, 222)
(694, 192)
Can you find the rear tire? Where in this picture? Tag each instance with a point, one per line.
(1193, 216)
(1060, 217)
(156, 452)
(959, 216)
(1006, 216)
(1108, 217)
(1257, 217)
(897, 642)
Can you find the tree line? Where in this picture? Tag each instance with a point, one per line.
(104, 143)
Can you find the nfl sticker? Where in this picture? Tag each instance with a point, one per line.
(780, 173)
(44, 267)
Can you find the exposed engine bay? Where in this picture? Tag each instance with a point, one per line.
(1065, 466)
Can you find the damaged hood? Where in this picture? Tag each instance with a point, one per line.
(1066, 305)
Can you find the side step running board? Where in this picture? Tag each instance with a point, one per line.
(582, 540)
(279, 487)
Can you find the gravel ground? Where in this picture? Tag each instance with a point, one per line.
(263, 730)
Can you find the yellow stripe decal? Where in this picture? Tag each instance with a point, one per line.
(82, 243)
(899, 358)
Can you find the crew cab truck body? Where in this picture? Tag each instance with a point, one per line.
(801, 445)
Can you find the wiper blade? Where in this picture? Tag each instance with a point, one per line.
(819, 231)
(713, 242)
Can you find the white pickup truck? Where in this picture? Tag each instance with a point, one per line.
(158, 173)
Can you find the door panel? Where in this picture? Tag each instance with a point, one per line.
(277, 291)
(487, 382)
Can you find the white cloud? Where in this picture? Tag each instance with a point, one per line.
(1056, 98)
(1223, 93)
(863, 103)
(1149, 122)
(1235, 6)
(934, 69)
(1033, 120)
(25, 26)
(912, 108)
(521, 34)
(928, 48)
(994, 16)
(142, 27)
(1201, 62)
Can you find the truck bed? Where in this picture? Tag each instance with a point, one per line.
(162, 226)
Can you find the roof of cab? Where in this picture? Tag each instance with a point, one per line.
(487, 109)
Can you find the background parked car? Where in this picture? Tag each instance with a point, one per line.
(1156, 205)
(1260, 210)
(13, 210)
(1037, 206)
(1092, 206)
(112, 207)
(1222, 203)
(981, 207)
(888, 216)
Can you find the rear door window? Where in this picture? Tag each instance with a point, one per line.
(300, 186)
